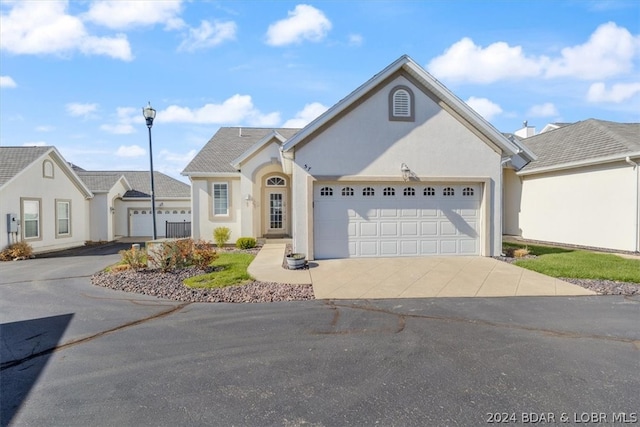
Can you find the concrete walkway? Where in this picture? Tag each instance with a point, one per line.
(415, 277)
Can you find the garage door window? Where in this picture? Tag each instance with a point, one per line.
(347, 191)
(429, 191)
(448, 191)
(467, 191)
(326, 191)
(220, 199)
(368, 191)
(389, 191)
(409, 191)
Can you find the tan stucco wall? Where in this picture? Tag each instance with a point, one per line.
(203, 220)
(365, 143)
(31, 184)
(511, 202)
(591, 206)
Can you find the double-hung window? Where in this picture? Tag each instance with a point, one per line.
(220, 198)
(63, 218)
(31, 219)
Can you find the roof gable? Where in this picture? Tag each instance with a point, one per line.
(227, 146)
(15, 160)
(138, 183)
(587, 142)
(430, 86)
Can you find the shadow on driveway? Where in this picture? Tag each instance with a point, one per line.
(28, 343)
(90, 250)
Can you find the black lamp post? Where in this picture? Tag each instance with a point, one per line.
(149, 114)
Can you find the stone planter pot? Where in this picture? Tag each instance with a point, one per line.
(296, 261)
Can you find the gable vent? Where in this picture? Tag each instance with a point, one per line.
(401, 105)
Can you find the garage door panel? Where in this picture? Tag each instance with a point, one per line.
(405, 223)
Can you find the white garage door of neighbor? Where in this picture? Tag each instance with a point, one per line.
(396, 219)
(141, 222)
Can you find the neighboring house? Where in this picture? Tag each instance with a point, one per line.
(121, 206)
(42, 200)
(583, 188)
(399, 167)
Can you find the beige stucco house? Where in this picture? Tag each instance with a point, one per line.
(399, 167)
(52, 205)
(583, 188)
(42, 200)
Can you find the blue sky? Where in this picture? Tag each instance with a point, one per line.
(77, 74)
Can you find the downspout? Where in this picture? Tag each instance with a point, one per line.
(636, 166)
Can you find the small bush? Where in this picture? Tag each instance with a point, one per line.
(16, 250)
(182, 253)
(221, 235)
(520, 253)
(133, 258)
(246, 243)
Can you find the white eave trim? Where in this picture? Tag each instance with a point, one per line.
(429, 81)
(211, 174)
(257, 147)
(580, 163)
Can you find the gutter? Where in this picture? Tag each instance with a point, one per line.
(636, 166)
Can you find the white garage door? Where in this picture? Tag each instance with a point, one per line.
(396, 219)
(141, 222)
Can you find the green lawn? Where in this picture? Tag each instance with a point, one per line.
(579, 264)
(234, 272)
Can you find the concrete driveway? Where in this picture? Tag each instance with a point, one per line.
(412, 277)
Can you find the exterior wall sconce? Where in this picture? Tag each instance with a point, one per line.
(406, 172)
(247, 197)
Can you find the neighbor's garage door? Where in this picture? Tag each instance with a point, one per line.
(141, 222)
(396, 219)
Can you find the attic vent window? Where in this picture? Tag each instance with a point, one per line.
(401, 104)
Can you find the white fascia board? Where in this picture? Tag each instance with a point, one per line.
(257, 147)
(212, 174)
(344, 103)
(580, 163)
(71, 174)
(16, 176)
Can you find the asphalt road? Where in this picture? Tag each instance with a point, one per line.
(77, 355)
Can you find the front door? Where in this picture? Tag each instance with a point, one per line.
(276, 211)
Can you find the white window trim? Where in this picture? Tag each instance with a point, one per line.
(213, 196)
(39, 220)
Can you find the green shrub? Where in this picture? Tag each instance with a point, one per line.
(221, 235)
(16, 250)
(246, 243)
(134, 258)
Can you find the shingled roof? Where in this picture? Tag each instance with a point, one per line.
(165, 186)
(587, 141)
(13, 160)
(226, 145)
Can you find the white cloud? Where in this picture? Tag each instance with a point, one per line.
(208, 35)
(126, 117)
(235, 110)
(617, 93)
(304, 23)
(355, 40)
(130, 151)
(466, 61)
(119, 15)
(77, 109)
(44, 27)
(484, 107)
(7, 81)
(543, 110)
(306, 116)
(609, 52)
(181, 158)
(45, 128)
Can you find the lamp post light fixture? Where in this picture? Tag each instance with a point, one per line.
(149, 114)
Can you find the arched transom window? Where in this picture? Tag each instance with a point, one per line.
(276, 181)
